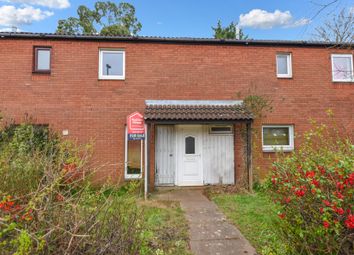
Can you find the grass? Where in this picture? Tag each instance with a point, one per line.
(166, 229)
(255, 216)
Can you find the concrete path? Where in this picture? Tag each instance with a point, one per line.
(209, 230)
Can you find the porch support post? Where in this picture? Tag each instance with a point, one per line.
(146, 179)
(249, 155)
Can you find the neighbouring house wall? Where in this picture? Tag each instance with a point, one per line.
(73, 98)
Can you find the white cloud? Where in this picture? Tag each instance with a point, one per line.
(299, 23)
(351, 10)
(59, 4)
(258, 18)
(12, 16)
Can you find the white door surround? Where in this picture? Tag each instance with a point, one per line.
(189, 155)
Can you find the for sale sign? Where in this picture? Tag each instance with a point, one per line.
(136, 126)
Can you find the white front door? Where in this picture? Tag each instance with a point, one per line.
(189, 160)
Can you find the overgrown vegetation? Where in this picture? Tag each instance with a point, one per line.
(49, 206)
(255, 216)
(166, 229)
(314, 187)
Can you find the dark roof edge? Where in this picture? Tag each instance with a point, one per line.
(177, 40)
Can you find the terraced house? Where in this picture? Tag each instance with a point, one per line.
(189, 93)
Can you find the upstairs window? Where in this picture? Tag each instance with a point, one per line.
(42, 59)
(284, 69)
(279, 137)
(342, 68)
(112, 65)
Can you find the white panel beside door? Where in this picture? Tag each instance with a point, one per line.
(218, 163)
(189, 155)
(165, 168)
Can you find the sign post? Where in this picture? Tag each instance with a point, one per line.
(136, 130)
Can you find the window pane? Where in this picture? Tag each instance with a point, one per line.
(134, 155)
(43, 59)
(276, 136)
(190, 145)
(221, 129)
(282, 64)
(112, 63)
(342, 68)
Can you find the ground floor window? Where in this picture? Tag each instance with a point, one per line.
(277, 137)
(133, 158)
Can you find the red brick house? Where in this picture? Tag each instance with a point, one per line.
(190, 92)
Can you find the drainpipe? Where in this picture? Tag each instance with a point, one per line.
(249, 155)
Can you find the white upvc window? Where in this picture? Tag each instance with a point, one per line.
(277, 138)
(111, 64)
(220, 130)
(342, 68)
(134, 150)
(284, 66)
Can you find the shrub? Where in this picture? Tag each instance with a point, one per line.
(314, 187)
(48, 206)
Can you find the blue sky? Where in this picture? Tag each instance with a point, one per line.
(260, 19)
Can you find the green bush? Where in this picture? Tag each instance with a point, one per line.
(314, 187)
(48, 206)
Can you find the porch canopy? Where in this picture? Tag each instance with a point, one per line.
(202, 112)
(196, 111)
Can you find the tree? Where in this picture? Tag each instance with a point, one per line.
(339, 29)
(231, 31)
(107, 17)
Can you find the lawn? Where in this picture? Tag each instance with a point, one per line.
(166, 229)
(255, 216)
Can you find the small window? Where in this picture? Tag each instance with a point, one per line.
(134, 159)
(284, 69)
(342, 68)
(42, 59)
(280, 137)
(112, 65)
(190, 145)
(221, 130)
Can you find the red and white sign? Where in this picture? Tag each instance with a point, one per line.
(135, 123)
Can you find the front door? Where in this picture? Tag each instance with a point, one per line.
(189, 161)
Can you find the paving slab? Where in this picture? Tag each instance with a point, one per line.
(209, 230)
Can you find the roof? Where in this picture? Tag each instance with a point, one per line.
(176, 40)
(196, 110)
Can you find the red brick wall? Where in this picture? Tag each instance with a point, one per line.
(73, 98)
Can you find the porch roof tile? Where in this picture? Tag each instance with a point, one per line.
(155, 112)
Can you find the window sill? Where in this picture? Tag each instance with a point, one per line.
(111, 78)
(278, 149)
(41, 72)
(133, 177)
(284, 77)
(336, 82)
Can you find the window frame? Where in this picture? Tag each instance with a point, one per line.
(274, 148)
(35, 59)
(351, 79)
(128, 176)
(289, 65)
(101, 76)
(221, 132)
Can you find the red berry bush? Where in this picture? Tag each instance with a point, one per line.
(314, 187)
